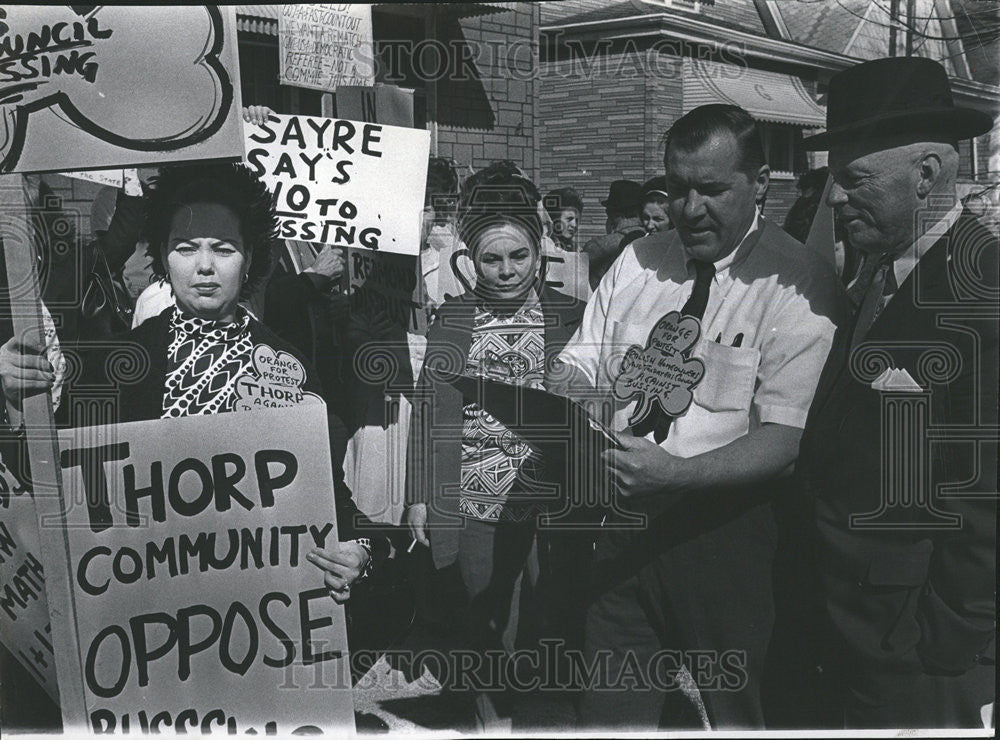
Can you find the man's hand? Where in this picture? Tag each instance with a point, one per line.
(256, 114)
(342, 565)
(643, 469)
(24, 370)
(329, 263)
(416, 520)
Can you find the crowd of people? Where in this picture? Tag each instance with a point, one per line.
(719, 355)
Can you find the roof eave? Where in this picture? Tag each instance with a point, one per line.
(680, 28)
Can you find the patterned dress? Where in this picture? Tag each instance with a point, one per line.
(499, 469)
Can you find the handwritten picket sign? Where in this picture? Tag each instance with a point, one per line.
(114, 178)
(87, 87)
(24, 613)
(194, 605)
(321, 46)
(340, 182)
(388, 283)
(661, 373)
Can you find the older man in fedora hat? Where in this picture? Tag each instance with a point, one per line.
(899, 455)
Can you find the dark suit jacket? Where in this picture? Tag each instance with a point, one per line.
(434, 452)
(912, 589)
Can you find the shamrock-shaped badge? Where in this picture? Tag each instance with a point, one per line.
(661, 374)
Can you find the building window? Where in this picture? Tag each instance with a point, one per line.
(259, 79)
(783, 148)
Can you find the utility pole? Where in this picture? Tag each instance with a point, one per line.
(893, 18)
(910, 7)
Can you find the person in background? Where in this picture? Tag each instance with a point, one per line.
(622, 207)
(485, 477)
(440, 239)
(905, 535)
(800, 216)
(565, 207)
(653, 216)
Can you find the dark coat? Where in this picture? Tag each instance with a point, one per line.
(434, 452)
(143, 399)
(912, 590)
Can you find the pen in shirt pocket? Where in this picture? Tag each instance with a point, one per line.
(737, 340)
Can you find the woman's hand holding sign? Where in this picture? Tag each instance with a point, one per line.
(342, 564)
(24, 369)
(256, 114)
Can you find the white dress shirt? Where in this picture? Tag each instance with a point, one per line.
(783, 299)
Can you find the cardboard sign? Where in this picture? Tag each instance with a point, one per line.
(194, 605)
(84, 87)
(391, 285)
(331, 180)
(661, 374)
(24, 613)
(274, 382)
(111, 178)
(386, 104)
(321, 46)
(569, 273)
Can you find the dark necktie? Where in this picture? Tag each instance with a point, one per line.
(882, 287)
(658, 421)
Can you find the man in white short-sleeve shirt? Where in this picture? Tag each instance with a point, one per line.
(726, 398)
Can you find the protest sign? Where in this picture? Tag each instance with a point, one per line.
(390, 285)
(322, 46)
(386, 104)
(24, 613)
(193, 604)
(111, 178)
(569, 273)
(661, 374)
(87, 86)
(343, 182)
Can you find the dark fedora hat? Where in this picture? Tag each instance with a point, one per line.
(624, 196)
(895, 95)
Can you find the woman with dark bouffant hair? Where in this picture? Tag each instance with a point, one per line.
(209, 228)
(474, 498)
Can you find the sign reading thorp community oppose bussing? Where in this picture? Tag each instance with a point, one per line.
(345, 183)
(322, 46)
(195, 607)
(84, 86)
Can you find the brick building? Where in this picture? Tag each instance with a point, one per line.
(614, 75)
(471, 66)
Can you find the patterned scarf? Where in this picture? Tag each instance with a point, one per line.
(204, 360)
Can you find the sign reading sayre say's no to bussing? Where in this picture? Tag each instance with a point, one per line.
(196, 609)
(340, 182)
(93, 86)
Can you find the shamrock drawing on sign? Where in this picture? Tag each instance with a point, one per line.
(145, 79)
(273, 381)
(661, 374)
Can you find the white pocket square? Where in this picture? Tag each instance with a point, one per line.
(895, 380)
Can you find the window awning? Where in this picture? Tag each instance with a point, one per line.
(767, 96)
(261, 19)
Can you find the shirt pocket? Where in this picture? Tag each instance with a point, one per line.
(730, 376)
